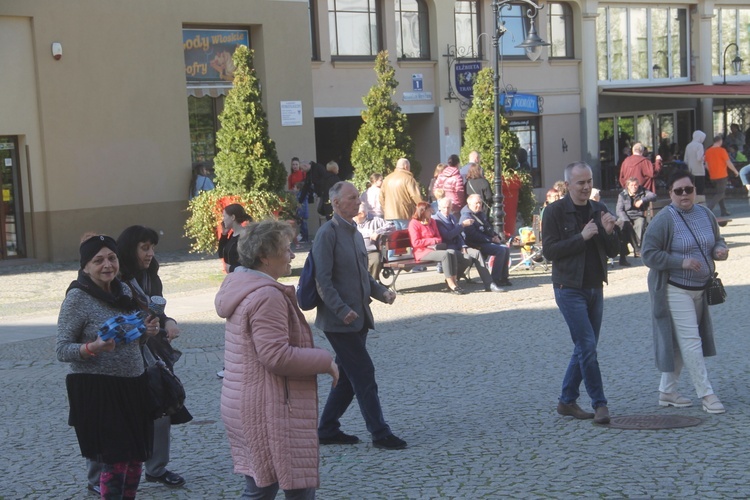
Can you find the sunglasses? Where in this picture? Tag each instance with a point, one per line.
(685, 190)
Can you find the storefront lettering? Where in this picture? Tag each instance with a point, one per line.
(199, 42)
(196, 69)
(230, 38)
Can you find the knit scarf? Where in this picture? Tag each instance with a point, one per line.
(115, 298)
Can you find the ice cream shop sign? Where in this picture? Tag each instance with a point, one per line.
(208, 53)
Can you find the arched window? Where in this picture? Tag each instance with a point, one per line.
(412, 40)
(354, 27)
(560, 30)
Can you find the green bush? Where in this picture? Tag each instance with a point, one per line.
(480, 137)
(384, 136)
(248, 170)
(203, 225)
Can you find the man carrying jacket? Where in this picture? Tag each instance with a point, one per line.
(344, 315)
(579, 236)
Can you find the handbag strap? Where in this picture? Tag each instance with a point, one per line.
(694, 237)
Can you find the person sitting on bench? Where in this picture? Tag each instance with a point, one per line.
(481, 236)
(452, 233)
(427, 245)
(632, 203)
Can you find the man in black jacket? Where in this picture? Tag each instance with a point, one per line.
(480, 235)
(579, 236)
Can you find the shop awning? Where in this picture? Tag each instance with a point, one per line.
(208, 90)
(694, 91)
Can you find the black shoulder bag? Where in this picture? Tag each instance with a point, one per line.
(166, 390)
(715, 293)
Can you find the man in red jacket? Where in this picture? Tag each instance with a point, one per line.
(640, 167)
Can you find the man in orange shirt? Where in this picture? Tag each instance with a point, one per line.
(719, 164)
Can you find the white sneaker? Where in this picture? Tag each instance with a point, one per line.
(712, 404)
(220, 373)
(674, 399)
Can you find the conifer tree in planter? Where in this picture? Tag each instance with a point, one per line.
(384, 136)
(479, 136)
(248, 170)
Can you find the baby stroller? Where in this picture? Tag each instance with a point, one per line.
(531, 254)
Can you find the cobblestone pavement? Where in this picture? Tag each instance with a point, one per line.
(471, 382)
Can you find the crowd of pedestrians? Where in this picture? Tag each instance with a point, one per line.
(269, 392)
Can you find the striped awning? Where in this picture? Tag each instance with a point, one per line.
(208, 90)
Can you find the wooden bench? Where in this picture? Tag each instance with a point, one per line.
(655, 206)
(396, 256)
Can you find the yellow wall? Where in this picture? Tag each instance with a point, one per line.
(107, 125)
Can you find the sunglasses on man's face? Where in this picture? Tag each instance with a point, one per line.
(685, 190)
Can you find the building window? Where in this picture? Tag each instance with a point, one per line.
(730, 26)
(203, 117)
(466, 26)
(560, 30)
(412, 41)
(354, 28)
(642, 43)
(527, 130)
(516, 23)
(312, 14)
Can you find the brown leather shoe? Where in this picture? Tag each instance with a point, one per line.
(602, 415)
(573, 410)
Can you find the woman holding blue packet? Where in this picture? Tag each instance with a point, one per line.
(110, 407)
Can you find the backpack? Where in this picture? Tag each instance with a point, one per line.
(307, 290)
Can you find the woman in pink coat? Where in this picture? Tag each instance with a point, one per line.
(451, 181)
(427, 245)
(269, 400)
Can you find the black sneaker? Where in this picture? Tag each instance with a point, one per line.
(389, 443)
(340, 438)
(94, 489)
(170, 479)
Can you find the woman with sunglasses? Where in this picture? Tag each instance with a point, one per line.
(680, 246)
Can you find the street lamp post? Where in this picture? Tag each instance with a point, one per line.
(533, 44)
(737, 65)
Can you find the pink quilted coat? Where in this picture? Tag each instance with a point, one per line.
(450, 180)
(269, 398)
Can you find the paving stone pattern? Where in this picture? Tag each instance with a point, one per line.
(470, 382)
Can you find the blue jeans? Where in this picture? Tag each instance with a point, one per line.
(744, 174)
(356, 377)
(582, 310)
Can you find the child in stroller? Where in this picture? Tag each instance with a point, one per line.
(531, 254)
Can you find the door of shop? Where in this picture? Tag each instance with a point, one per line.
(12, 244)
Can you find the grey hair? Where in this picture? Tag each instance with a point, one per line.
(474, 196)
(443, 202)
(575, 164)
(335, 192)
(263, 239)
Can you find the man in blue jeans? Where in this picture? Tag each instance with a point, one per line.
(345, 287)
(579, 237)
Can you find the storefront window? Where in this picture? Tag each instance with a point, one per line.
(204, 122)
(11, 208)
(527, 131)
